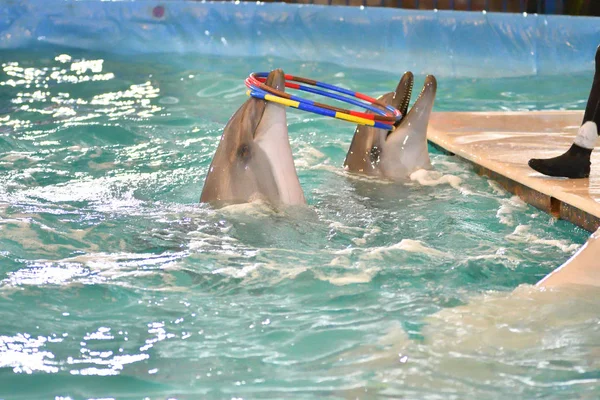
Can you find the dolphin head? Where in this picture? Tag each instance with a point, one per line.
(254, 159)
(397, 153)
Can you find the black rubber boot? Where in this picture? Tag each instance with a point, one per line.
(575, 163)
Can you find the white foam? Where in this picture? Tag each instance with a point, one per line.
(436, 178)
(340, 261)
(22, 227)
(499, 190)
(226, 247)
(358, 177)
(500, 253)
(366, 236)
(413, 246)
(13, 156)
(262, 271)
(101, 166)
(106, 263)
(255, 208)
(448, 166)
(339, 271)
(346, 251)
(507, 207)
(237, 272)
(416, 246)
(307, 157)
(347, 277)
(359, 241)
(521, 234)
(338, 226)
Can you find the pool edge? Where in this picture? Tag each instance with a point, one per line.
(576, 206)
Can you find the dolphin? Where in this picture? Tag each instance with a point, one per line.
(254, 159)
(397, 153)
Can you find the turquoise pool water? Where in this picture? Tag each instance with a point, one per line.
(116, 283)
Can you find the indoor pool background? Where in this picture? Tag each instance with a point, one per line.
(116, 283)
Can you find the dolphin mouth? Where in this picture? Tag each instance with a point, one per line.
(429, 85)
(424, 102)
(427, 95)
(417, 118)
(276, 80)
(403, 94)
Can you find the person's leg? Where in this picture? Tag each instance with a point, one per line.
(575, 163)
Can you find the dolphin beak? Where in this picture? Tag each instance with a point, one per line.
(418, 116)
(406, 145)
(403, 93)
(276, 80)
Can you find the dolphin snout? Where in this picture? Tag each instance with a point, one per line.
(276, 79)
(430, 83)
(403, 92)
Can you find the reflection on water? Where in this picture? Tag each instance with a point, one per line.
(115, 282)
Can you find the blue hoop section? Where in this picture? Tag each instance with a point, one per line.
(333, 88)
(383, 117)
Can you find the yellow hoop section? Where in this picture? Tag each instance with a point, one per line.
(296, 104)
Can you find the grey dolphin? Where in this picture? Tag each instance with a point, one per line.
(254, 158)
(395, 154)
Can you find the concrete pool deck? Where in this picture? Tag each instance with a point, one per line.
(499, 145)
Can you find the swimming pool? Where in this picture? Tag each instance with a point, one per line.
(116, 283)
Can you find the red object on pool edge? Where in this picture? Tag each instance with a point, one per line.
(158, 11)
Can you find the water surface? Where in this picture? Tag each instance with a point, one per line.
(116, 283)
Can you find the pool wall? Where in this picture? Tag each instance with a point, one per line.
(444, 43)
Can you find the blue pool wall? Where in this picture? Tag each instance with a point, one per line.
(444, 43)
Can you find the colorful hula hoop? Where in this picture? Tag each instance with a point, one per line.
(383, 116)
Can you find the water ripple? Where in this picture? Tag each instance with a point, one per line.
(115, 281)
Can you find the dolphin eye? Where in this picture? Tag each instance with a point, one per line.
(244, 152)
(375, 154)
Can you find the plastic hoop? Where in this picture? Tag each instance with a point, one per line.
(383, 116)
